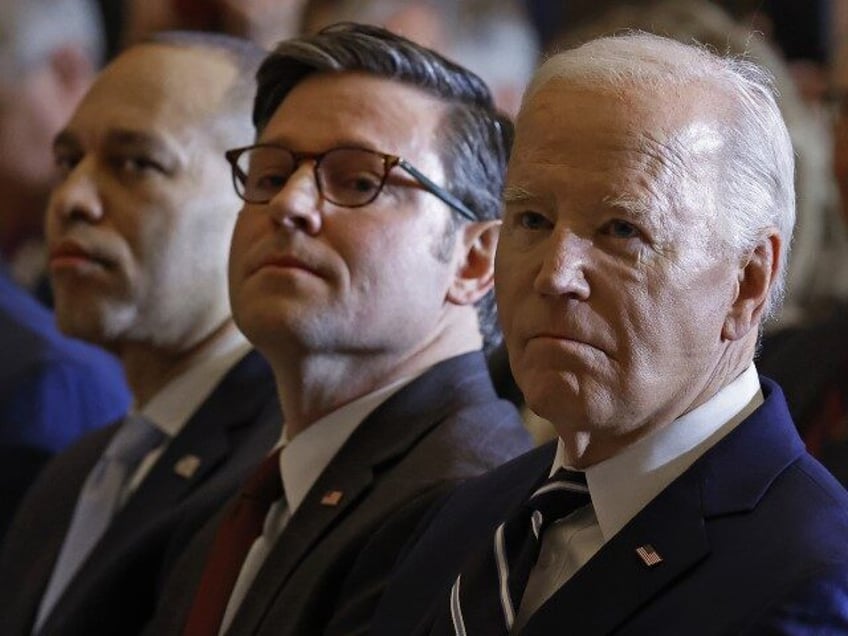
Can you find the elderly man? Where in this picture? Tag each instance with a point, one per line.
(365, 244)
(138, 232)
(649, 209)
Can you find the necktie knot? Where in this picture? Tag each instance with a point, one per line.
(564, 492)
(265, 485)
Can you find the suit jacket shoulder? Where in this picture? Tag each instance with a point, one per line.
(443, 427)
(753, 530)
(114, 590)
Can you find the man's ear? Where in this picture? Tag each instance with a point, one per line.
(756, 276)
(475, 262)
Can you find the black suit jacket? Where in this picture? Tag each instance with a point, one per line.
(752, 537)
(115, 588)
(445, 426)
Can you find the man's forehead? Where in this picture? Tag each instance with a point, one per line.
(606, 123)
(333, 108)
(161, 76)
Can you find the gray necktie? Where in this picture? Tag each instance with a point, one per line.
(98, 502)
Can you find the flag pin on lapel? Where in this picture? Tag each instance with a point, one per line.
(332, 498)
(649, 556)
(186, 466)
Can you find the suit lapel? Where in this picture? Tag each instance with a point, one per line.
(730, 478)
(673, 525)
(205, 436)
(389, 432)
(201, 446)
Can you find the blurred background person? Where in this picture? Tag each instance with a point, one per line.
(493, 38)
(50, 51)
(52, 388)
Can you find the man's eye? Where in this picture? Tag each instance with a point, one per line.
(65, 163)
(269, 181)
(620, 229)
(361, 183)
(532, 221)
(136, 164)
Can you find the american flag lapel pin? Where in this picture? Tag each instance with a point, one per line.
(186, 466)
(332, 498)
(649, 556)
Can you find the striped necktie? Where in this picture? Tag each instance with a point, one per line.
(241, 526)
(485, 597)
(98, 502)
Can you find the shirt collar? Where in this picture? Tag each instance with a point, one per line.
(625, 483)
(305, 457)
(172, 407)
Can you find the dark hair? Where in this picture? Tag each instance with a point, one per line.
(476, 138)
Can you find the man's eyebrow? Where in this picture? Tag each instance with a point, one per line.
(170, 155)
(125, 137)
(633, 205)
(66, 139)
(517, 194)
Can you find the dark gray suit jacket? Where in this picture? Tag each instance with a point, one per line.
(114, 592)
(445, 426)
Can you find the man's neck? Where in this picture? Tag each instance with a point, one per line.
(149, 369)
(312, 385)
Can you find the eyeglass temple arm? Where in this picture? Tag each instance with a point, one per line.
(438, 191)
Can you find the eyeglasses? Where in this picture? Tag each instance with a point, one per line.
(349, 177)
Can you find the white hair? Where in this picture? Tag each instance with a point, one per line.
(755, 187)
(30, 30)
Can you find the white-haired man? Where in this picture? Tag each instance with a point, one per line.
(649, 209)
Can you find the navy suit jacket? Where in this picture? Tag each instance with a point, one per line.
(446, 425)
(53, 389)
(115, 588)
(753, 537)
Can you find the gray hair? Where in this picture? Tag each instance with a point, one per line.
(475, 139)
(30, 30)
(755, 189)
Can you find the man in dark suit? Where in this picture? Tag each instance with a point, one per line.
(649, 210)
(360, 260)
(138, 229)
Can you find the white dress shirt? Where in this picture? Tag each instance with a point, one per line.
(172, 407)
(624, 484)
(302, 460)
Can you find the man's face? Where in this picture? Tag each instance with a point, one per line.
(139, 227)
(611, 283)
(323, 278)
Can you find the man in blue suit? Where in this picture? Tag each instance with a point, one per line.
(649, 211)
(138, 230)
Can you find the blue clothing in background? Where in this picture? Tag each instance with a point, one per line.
(52, 390)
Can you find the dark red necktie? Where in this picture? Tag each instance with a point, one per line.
(236, 534)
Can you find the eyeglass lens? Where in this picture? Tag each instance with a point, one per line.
(346, 176)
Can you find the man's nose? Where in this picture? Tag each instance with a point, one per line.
(562, 271)
(77, 197)
(296, 205)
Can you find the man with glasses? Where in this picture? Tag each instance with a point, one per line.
(359, 262)
(138, 230)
